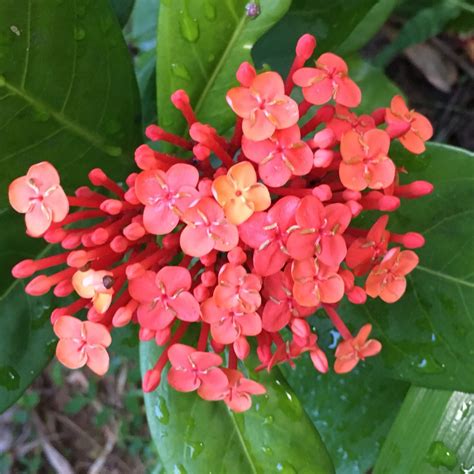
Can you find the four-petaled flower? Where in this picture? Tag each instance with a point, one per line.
(40, 197)
(344, 120)
(239, 193)
(96, 286)
(364, 160)
(411, 128)
(82, 343)
(328, 80)
(164, 296)
(263, 106)
(350, 351)
(207, 229)
(387, 279)
(166, 196)
(280, 157)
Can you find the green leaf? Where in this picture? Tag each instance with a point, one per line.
(202, 43)
(67, 90)
(333, 23)
(193, 435)
(428, 336)
(432, 434)
(123, 9)
(425, 24)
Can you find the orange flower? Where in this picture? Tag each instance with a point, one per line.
(95, 285)
(82, 343)
(239, 193)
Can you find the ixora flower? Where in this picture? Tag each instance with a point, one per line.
(241, 237)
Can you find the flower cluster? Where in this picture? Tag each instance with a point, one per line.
(248, 248)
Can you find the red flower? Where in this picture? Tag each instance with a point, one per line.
(345, 120)
(166, 196)
(192, 369)
(329, 80)
(281, 307)
(263, 106)
(280, 157)
(207, 229)
(227, 325)
(164, 296)
(267, 233)
(364, 160)
(320, 231)
(39, 196)
(238, 289)
(350, 351)
(316, 283)
(387, 279)
(410, 127)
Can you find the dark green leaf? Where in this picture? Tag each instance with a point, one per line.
(333, 23)
(428, 335)
(193, 435)
(122, 9)
(202, 43)
(432, 434)
(67, 89)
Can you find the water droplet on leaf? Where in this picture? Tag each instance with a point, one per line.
(162, 412)
(193, 450)
(9, 378)
(189, 27)
(439, 455)
(210, 10)
(180, 70)
(285, 468)
(429, 365)
(113, 150)
(3, 81)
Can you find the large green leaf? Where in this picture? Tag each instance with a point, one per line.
(333, 23)
(202, 43)
(428, 336)
(193, 435)
(433, 433)
(67, 89)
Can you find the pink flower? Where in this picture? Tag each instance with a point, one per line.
(316, 283)
(351, 351)
(267, 233)
(345, 120)
(364, 160)
(227, 325)
(207, 229)
(164, 296)
(166, 196)
(263, 106)
(192, 369)
(281, 307)
(387, 279)
(320, 231)
(280, 157)
(238, 289)
(82, 343)
(40, 197)
(329, 80)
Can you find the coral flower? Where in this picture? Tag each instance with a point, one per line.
(82, 343)
(351, 351)
(164, 296)
(316, 283)
(227, 325)
(281, 306)
(280, 157)
(263, 106)
(40, 197)
(95, 285)
(239, 193)
(320, 231)
(344, 120)
(267, 233)
(328, 80)
(364, 160)
(207, 229)
(387, 279)
(412, 128)
(238, 289)
(166, 196)
(192, 369)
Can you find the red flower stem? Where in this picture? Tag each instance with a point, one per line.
(219, 151)
(168, 159)
(74, 307)
(324, 114)
(83, 202)
(277, 339)
(203, 335)
(78, 216)
(62, 275)
(112, 186)
(301, 192)
(232, 363)
(337, 322)
(304, 107)
(52, 261)
(178, 334)
(175, 140)
(357, 232)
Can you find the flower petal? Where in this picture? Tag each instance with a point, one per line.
(97, 359)
(97, 334)
(186, 307)
(242, 101)
(257, 126)
(70, 353)
(159, 219)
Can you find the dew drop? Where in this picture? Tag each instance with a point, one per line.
(210, 10)
(113, 150)
(180, 70)
(3, 81)
(267, 450)
(193, 450)
(9, 378)
(285, 468)
(439, 455)
(268, 420)
(252, 10)
(162, 412)
(79, 33)
(189, 27)
(15, 30)
(429, 365)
